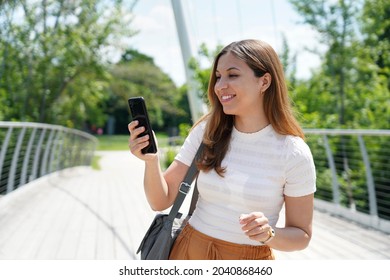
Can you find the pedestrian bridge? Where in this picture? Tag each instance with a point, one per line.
(76, 212)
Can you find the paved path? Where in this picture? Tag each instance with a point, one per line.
(82, 213)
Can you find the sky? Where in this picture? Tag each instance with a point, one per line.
(216, 22)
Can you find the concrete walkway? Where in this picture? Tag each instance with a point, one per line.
(82, 213)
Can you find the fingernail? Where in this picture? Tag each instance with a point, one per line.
(243, 216)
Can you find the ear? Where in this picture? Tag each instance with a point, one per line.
(266, 80)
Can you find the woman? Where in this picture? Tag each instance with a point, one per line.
(254, 161)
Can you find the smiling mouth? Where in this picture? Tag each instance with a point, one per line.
(227, 97)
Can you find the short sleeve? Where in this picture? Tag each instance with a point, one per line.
(191, 144)
(300, 169)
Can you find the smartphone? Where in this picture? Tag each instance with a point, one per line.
(138, 112)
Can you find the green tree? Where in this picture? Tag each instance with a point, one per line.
(137, 75)
(334, 21)
(350, 89)
(202, 67)
(289, 62)
(52, 58)
(375, 22)
(374, 63)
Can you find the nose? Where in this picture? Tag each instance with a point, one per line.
(220, 84)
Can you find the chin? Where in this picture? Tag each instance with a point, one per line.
(228, 112)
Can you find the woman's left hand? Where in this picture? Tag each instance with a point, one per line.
(255, 225)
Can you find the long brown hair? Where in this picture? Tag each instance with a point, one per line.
(261, 58)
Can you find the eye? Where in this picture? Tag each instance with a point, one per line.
(233, 75)
(217, 77)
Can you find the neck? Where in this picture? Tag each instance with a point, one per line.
(250, 124)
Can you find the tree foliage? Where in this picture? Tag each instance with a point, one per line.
(52, 65)
(202, 68)
(137, 75)
(350, 89)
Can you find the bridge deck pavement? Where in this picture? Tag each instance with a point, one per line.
(81, 213)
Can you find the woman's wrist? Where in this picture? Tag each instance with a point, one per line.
(271, 235)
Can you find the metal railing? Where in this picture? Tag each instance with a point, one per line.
(353, 166)
(353, 174)
(31, 150)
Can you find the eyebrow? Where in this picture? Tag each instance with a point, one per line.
(230, 68)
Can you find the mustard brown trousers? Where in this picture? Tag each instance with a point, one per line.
(194, 245)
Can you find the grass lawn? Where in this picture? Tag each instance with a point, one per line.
(119, 142)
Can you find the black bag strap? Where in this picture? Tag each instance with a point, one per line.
(185, 187)
(194, 199)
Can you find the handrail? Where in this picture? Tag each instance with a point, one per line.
(353, 174)
(353, 166)
(48, 126)
(31, 150)
(336, 131)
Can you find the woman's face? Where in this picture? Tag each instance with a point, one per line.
(237, 87)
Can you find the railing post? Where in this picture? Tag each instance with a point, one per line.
(4, 149)
(369, 178)
(335, 183)
(53, 151)
(60, 155)
(73, 149)
(37, 153)
(11, 178)
(45, 158)
(23, 178)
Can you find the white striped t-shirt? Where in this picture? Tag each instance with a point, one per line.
(261, 168)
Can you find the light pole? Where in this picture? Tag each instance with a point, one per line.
(194, 99)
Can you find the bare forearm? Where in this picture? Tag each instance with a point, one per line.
(156, 188)
(290, 239)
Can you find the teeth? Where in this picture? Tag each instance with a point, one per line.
(226, 97)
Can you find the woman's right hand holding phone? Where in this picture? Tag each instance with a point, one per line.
(136, 143)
